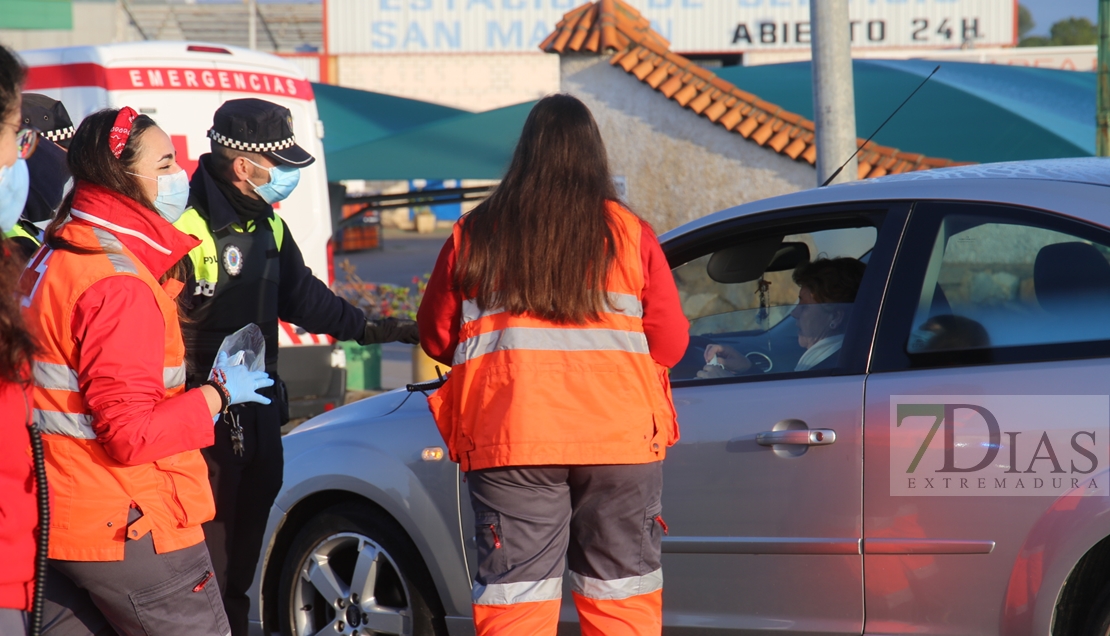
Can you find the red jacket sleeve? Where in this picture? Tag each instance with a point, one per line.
(666, 327)
(121, 352)
(18, 509)
(440, 311)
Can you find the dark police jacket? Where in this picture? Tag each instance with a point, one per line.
(244, 272)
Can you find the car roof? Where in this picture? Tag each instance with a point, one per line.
(1075, 187)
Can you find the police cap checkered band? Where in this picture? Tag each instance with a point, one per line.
(256, 125)
(269, 146)
(58, 135)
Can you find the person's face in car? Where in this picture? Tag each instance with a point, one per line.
(814, 321)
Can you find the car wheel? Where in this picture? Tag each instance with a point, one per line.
(1098, 620)
(352, 572)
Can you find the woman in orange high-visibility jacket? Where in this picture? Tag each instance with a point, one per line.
(557, 310)
(121, 435)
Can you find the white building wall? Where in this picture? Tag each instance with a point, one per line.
(93, 23)
(470, 81)
(677, 165)
(1065, 58)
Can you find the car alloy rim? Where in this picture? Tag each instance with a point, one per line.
(350, 585)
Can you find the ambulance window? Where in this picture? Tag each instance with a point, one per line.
(742, 301)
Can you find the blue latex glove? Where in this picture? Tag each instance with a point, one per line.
(241, 383)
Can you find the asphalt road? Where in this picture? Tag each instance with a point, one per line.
(403, 256)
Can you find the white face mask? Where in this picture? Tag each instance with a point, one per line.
(14, 184)
(173, 194)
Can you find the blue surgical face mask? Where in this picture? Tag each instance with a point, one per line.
(282, 181)
(173, 194)
(15, 181)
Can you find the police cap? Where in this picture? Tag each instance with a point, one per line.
(256, 125)
(49, 116)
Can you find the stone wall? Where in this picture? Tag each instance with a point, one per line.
(678, 166)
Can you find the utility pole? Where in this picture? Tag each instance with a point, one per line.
(834, 102)
(1102, 113)
(252, 30)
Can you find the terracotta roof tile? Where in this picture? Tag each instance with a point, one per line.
(795, 148)
(764, 132)
(643, 69)
(671, 86)
(658, 75)
(748, 126)
(687, 93)
(613, 27)
(701, 102)
(716, 109)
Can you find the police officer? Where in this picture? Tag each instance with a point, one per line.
(46, 167)
(248, 269)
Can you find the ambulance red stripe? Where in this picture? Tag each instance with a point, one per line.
(165, 78)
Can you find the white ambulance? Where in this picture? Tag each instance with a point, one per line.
(180, 85)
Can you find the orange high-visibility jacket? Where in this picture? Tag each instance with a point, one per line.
(92, 492)
(526, 391)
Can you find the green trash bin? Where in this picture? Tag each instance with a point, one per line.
(364, 366)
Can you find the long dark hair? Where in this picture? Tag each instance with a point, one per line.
(90, 160)
(543, 242)
(16, 345)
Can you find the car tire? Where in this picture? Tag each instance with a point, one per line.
(350, 542)
(1098, 620)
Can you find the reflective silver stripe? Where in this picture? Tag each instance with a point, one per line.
(76, 425)
(471, 311)
(112, 247)
(119, 229)
(550, 340)
(59, 377)
(513, 593)
(623, 304)
(173, 377)
(617, 589)
(54, 377)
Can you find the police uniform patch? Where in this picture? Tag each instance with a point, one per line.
(233, 260)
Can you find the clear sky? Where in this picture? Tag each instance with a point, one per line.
(1047, 12)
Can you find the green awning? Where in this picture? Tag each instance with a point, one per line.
(967, 112)
(352, 117)
(466, 146)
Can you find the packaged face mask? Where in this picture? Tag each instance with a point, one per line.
(246, 346)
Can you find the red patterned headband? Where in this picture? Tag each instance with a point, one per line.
(121, 130)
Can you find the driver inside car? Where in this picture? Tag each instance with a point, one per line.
(828, 288)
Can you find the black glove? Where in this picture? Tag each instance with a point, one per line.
(390, 330)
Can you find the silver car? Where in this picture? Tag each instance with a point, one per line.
(945, 472)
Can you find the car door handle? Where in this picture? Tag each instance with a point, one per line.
(811, 437)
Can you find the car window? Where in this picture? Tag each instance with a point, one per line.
(748, 315)
(994, 283)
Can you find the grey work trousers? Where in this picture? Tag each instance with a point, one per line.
(604, 522)
(145, 594)
(13, 622)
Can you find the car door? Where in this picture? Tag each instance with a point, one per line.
(765, 537)
(986, 408)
